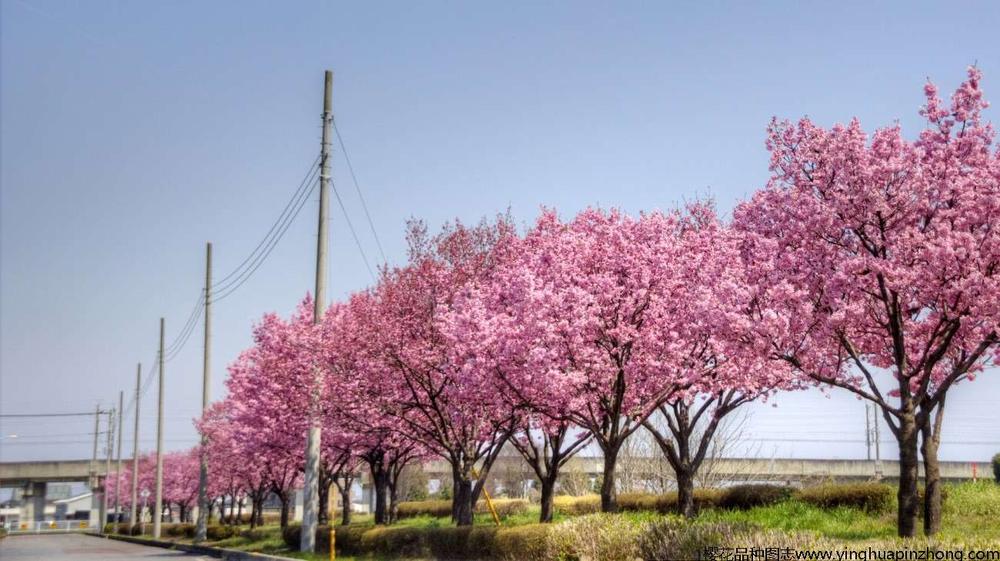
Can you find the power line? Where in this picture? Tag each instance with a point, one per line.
(350, 226)
(357, 187)
(24, 415)
(178, 343)
(279, 234)
(234, 276)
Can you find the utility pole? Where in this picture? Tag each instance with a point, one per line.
(109, 451)
(868, 433)
(93, 464)
(201, 531)
(133, 506)
(158, 497)
(310, 492)
(118, 469)
(878, 449)
(93, 459)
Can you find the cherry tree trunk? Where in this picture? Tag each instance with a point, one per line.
(685, 493)
(324, 503)
(381, 481)
(907, 495)
(462, 502)
(393, 502)
(548, 488)
(345, 501)
(239, 511)
(285, 503)
(932, 486)
(609, 498)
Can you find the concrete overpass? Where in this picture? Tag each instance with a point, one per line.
(15, 474)
(33, 477)
(797, 471)
(782, 470)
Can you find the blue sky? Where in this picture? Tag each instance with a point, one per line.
(134, 132)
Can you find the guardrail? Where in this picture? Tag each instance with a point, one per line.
(42, 526)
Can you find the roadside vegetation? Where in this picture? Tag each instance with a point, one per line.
(830, 516)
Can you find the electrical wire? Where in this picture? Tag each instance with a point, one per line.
(270, 247)
(354, 233)
(357, 187)
(181, 339)
(25, 415)
(281, 222)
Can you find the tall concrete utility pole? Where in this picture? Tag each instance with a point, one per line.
(134, 505)
(878, 449)
(158, 497)
(118, 469)
(93, 467)
(868, 433)
(109, 451)
(93, 459)
(310, 492)
(201, 530)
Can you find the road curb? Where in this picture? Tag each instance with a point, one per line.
(218, 552)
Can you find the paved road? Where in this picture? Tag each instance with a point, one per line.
(75, 547)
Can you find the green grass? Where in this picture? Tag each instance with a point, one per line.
(971, 512)
(794, 516)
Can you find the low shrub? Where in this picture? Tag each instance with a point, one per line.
(597, 537)
(136, 530)
(523, 543)
(504, 507)
(666, 503)
(3, 533)
(679, 539)
(749, 496)
(996, 468)
(870, 497)
(215, 533)
(179, 530)
(292, 534)
(574, 506)
(518, 543)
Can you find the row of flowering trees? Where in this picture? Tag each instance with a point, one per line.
(180, 484)
(869, 263)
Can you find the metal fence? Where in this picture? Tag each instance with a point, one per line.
(42, 526)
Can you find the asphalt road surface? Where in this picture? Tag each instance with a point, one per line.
(76, 547)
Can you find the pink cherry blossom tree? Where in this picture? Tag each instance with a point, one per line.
(487, 329)
(270, 387)
(702, 339)
(351, 404)
(876, 262)
(572, 341)
(445, 407)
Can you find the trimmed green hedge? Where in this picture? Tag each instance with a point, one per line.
(575, 506)
(527, 543)
(174, 530)
(179, 530)
(748, 496)
(504, 507)
(871, 497)
(666, 503)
